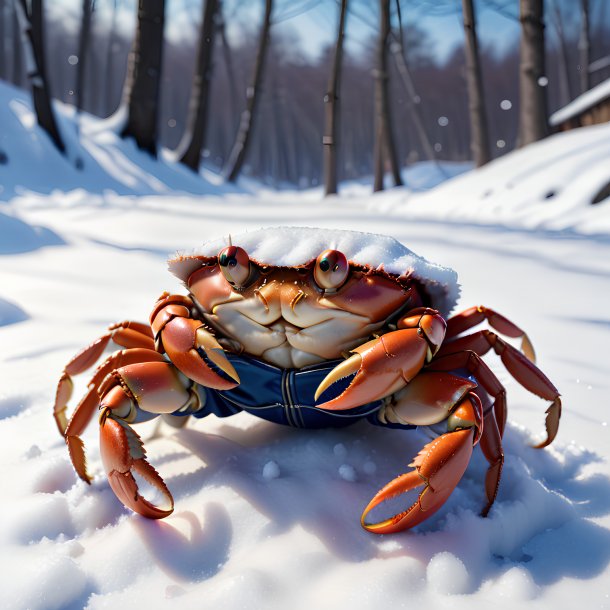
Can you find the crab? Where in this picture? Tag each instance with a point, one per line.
(308, 328)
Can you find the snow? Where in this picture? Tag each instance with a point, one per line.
(289, 246)
(74, 261)
(583, 102)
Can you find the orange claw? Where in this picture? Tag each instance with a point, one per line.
(438, 468)
(123, 452)
(184, 338)
(386, 364)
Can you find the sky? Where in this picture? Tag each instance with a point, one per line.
(313, 22)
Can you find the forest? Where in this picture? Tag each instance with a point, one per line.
(87, 51)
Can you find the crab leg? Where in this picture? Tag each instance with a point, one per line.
(155, 387)
(386, 364)
(524, 371)
(184, 339)
(122, 454)
(491, 446)
(469, 318)
(438, 468)
(126, 334)
(86, 408)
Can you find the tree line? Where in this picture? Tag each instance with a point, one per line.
(259, 107)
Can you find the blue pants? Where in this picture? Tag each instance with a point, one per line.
(283, 396)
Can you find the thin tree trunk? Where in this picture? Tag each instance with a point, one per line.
(144, 78)
(109, 71)
(83, 47)
(17, 47)
(331, 102)
(479, 130)
(564, 74)
(584, 46)
(533, 121)
(226, 55)
(196, 128)
(242, 141)
(31, 26)
(384, 140)
(3, 41)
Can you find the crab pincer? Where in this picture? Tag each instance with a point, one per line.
(190, 345)
(386, 364)
(438, 468)
(122, 454)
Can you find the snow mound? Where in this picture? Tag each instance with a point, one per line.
(97, 158)
(290, 246)
(18, 236)
(555, 185)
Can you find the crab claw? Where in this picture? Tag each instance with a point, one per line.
(386, 364)
(438, 468)
(122, 454)
(184, 340)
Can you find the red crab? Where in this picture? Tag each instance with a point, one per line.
(289, 330)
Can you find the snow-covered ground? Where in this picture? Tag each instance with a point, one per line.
(268, 516)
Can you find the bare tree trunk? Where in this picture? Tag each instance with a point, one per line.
(17, 48)
(479, 130)
(144, 78)
(533, 121)
(331, 102)
(226, 55)
(565, 88)
(384, 140)
(242, 141)
(83, 47)
(413, 99)
(584, 46)
(109, 68)
(3, 41)
(194, 138)
(31, 26)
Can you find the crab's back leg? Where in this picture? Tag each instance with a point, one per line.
(86, 408)
(466, 352)
(128, 334)
(469, 318)
(491, 446)
(153, 387)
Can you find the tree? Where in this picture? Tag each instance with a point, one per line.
(83, 47)
(384, 140)
(413, 100)
(479, 130)
(331, 99)
(242, 141)
(142, 86)
(584, 46)
(533, 121)
(194, 137)
(32, 28)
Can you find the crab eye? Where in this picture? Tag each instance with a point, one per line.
(235, 265)
(331, 269)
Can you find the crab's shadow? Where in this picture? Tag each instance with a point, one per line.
(320, 481)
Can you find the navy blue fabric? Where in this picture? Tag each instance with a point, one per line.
(283, 396)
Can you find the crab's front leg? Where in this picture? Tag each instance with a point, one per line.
(189, 344)
(134, 393)
(386, 364)
(439, 466)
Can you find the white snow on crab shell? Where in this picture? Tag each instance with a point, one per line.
(290, 246)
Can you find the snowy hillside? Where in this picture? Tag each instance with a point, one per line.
(268, 516)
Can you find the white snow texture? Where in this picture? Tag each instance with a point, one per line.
(268, 516)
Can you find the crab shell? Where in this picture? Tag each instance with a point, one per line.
(293, 247)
